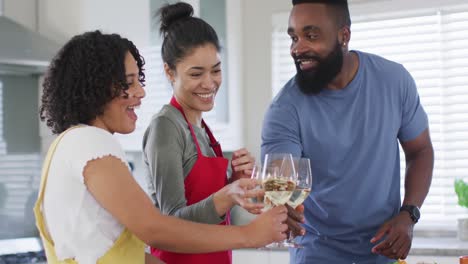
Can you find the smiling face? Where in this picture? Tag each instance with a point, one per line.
(196, 79)
(316, 45)
(119, 114)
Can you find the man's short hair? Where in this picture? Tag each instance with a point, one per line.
(340, 8)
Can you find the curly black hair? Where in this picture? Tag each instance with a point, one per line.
(86, 74)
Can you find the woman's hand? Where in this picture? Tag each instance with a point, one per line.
(267, 228)
(242, 163)
(238, 193)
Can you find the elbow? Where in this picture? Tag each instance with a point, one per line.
(149, 232)
(156, 234)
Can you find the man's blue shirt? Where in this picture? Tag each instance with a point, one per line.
(351, 136)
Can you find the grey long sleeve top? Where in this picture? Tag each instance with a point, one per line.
(169, 154)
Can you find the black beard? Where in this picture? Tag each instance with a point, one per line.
(314, 81)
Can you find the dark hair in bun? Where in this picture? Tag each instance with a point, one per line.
(182, 32)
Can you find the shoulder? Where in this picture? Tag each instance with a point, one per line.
(285, 107)
(168, 119)
(288, 98)
(89, 135)
(167, 127)
(382, 66)
(82, 144)
(90, 141)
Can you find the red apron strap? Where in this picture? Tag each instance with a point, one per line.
(192, 132)
(214, 144)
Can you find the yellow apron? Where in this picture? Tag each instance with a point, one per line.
(126, 249)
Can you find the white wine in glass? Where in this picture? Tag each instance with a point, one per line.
(278, 190)
(298, 197)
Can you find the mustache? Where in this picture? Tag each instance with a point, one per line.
(297, 58)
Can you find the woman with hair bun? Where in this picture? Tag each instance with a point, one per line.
(90, 209)
(188, 176)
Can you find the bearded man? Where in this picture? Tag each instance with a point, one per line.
(347, 111)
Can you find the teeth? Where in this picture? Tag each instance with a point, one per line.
(306, 62)
(133, 107)
(205, 95)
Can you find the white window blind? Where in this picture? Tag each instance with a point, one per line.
(433, 46)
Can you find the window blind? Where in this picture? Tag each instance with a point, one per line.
(433, 46)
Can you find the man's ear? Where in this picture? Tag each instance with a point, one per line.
(169, 73)
(345, 36)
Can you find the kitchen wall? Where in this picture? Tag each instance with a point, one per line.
(60, 20)
(21, 11)
(256, 56)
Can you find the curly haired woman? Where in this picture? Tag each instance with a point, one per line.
(90, 209)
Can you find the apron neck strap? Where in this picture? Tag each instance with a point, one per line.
(214, 144)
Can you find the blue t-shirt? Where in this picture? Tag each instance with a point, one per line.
(351, 136)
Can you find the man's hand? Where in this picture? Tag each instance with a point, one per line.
(295, 218)
(398, 233)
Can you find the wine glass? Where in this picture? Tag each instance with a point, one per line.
(257, 175)
(302, 191)
(278, 180)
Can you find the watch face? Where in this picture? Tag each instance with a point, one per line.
(413, 211)
(416, 212)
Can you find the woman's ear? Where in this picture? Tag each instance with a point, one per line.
(169, 73)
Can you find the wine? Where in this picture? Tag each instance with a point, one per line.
(298, 197)
(258, 198)
(278, 191)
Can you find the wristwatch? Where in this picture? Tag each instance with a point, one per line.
(413, 211)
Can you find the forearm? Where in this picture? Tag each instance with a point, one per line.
(418, 176)
(173, 234)
(204, 211)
